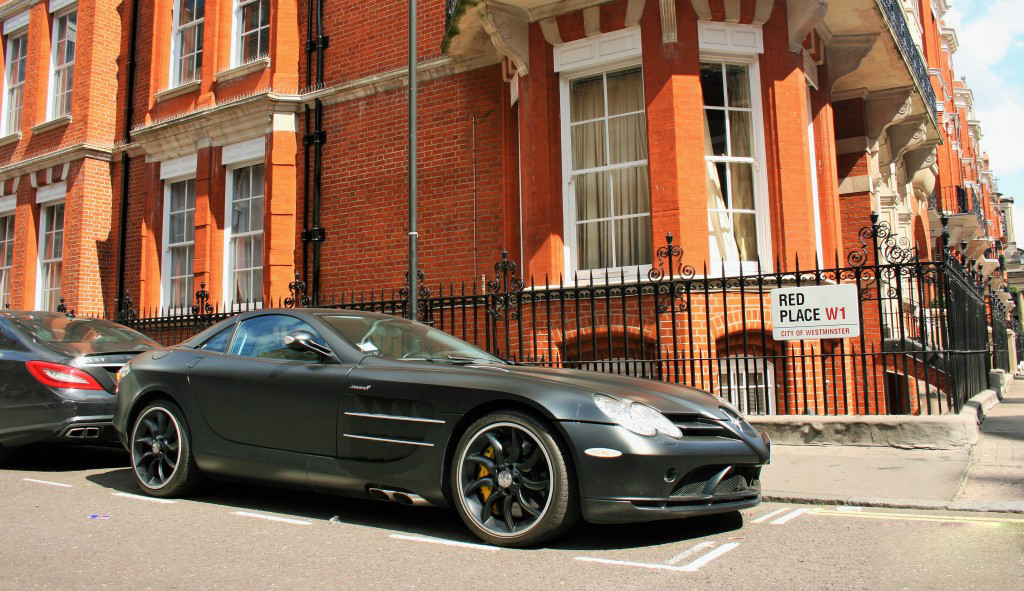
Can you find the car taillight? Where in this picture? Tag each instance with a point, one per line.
(56, 375)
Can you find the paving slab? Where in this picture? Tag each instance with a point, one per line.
(847, 472)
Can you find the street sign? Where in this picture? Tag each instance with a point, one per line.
(815, 312)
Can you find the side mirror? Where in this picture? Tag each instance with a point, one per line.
(302, 340)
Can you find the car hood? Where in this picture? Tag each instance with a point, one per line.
(665, 397)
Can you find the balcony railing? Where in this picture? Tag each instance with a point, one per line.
(897, 21)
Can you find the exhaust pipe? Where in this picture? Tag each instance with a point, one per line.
(397, 496)
(83, 433)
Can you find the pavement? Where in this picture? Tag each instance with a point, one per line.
(986, 476)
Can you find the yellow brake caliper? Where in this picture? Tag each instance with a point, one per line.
(486, 490)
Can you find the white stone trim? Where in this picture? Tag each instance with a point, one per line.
(178, 167)
(284, 122)
(252, 150)
(56, 5)
(51, 192)
(810, 70)
(730, 38)
(16, 23)
(855, 184)
(598, 50)
(852, 145)
(8, 203)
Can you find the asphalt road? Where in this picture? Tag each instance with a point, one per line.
(70, 519)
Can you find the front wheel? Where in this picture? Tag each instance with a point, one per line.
(161, 449)
(512, 481)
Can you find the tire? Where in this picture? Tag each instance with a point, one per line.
(7, 454)
(161, 452)
(498, 477)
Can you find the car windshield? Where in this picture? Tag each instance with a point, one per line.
(81, 336)
(397, 338)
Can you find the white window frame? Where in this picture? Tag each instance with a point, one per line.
(230, 235)
(239, 32)
(737, 366)
(166, 267)
(761, 202)
(9, 129)
(52, 104)
(174, 77)
(45, 210)
(7, 220)
(578, 59)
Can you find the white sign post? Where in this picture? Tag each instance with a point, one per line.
(815, 312)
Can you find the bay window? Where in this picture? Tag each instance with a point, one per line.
(605, 127)
(14, 82)
(245, 235)
(179, 221)
(187, 50)
(65, 35)
(731, 161)
(51, 256)
(253, 26)
(6, 259)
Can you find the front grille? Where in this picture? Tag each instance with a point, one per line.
(739, 479)
(697, 425)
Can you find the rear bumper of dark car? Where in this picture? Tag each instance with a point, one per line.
(626, 478)
(81, 417)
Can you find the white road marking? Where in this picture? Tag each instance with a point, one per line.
(143, 498)
(690, 552)
(445, 542)
(696, 564)
(848, 508)
(47, 482)
(768, 516)
(789, 516)
(272, 518)
(686, 568)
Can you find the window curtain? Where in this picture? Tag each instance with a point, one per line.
(723, 244)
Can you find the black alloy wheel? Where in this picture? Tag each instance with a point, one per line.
(512, 482)
(161, 450)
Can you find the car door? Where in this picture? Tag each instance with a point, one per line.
(262, 393)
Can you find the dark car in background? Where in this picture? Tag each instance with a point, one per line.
(57, 377)
(376, 406)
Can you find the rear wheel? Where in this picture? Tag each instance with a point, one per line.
(512, 481)
(161, 449)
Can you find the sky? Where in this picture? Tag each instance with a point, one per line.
(991, 57)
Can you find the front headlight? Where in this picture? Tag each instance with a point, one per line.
(638, 418)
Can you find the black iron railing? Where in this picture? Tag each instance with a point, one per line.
(924, 345)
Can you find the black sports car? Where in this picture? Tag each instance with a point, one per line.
(57, 377)
(371, 405)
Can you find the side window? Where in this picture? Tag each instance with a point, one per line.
(263, 337)
(218, 343)
(8, 342)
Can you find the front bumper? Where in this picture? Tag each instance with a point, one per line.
(661, 477)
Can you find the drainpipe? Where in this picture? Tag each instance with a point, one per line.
(126, 161)
(413, 233)
(315, 138)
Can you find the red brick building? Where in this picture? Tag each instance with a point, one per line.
(239, 142)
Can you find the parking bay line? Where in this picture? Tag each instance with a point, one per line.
(790, 516)
(142, 498)
(272, 518)
(917, 517)
(768, 516)
(686, 568)
(690, 552)
(60, 484)
(445, 542)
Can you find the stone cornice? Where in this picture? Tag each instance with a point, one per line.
(227, 123)
(57, 157)
(391, 80)
(9, 9)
